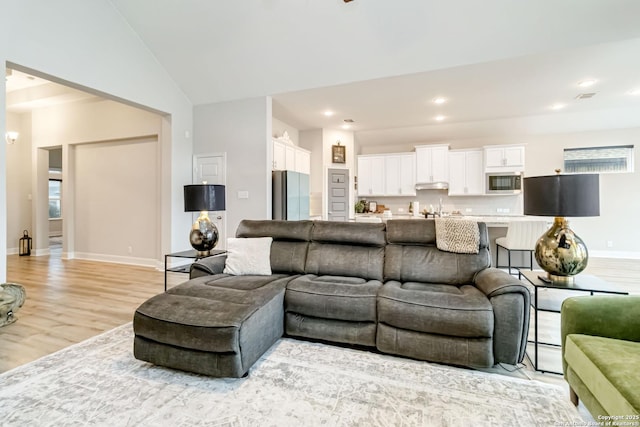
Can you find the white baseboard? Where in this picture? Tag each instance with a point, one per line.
(615, 254)
(117, 259)
(12, 251)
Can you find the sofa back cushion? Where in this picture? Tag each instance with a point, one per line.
(411, 255)
(347, 249)
(290, 242)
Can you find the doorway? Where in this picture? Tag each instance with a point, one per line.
(55, 202)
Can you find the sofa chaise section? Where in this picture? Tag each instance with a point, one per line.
(219, 324)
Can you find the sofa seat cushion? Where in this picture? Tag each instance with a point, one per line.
(206, 313)
(333, 297)
(436, 308)
(609, 368)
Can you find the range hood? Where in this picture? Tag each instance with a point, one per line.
(432, 185)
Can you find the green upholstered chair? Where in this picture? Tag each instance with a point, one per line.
(601, 354)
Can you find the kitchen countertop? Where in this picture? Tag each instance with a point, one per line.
(490, 220)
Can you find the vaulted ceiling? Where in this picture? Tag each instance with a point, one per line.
(382, 62)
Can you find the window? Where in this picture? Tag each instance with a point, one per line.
(55, 192)
(618, 158)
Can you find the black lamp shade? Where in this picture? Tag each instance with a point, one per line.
(204, 197)
(562, 195)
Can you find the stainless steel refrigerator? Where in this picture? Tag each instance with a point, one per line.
(290, 192)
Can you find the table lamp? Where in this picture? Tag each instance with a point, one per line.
(560, 252)
(204, 198)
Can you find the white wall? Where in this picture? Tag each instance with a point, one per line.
(116, 195)
(89, 44)
(242, 130)
(331, 137)
(92, 127)
(278, 128)
(312, 140)
(319, 142)
(18, 179)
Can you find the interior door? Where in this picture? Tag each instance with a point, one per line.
(338, 195)
(211, 168)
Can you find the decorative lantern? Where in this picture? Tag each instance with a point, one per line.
(25, 244)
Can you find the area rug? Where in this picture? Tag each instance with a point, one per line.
(296, 383)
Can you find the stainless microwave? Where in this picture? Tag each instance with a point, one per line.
(504, 183)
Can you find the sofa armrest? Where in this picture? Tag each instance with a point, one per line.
(600, 315)
(510, 300)
(207, 266)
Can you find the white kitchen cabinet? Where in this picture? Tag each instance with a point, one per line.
(400, 174)
(371, 180)
(303, 161)
(505, 158)
(279, 156)
(432, 163)
(290, 157)
(466, 174)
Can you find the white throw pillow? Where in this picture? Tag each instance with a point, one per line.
(248, 256)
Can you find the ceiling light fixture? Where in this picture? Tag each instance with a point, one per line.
(634, 92)
(11, 137)
(328, 113)
(346, 126)
(557, 106)
(439, 118)
(587, 83)
(439, 100)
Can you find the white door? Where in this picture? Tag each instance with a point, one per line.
(211, 168)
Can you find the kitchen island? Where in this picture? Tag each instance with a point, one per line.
(497, 226)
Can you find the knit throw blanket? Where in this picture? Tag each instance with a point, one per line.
(461, 236)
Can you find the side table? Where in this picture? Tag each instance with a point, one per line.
(584, 283)
(191, 254)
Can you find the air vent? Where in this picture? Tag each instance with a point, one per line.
(348, 121)
(586, 95)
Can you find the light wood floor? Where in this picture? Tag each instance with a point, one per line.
(69, 301)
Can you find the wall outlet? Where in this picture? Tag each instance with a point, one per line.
(499, 210)
(468, 210)
(243, 194)
(609, 243)
(130, 250)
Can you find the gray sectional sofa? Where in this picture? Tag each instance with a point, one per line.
(383, 286)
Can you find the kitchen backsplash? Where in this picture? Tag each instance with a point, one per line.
(469, 205)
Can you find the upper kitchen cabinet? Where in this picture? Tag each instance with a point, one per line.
(371, 175)
(466, 174)
(387, 175)
(290, 157)
(400, 174)
(506, 158)
(432, 163)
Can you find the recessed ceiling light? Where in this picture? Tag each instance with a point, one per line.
(346, 126)
(587, 82)
(634, 92)
(439, 118)
(439, 100)
(557, 106)
(328, 113)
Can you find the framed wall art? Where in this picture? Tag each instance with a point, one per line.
(338, 153)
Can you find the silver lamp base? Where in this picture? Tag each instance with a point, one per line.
(561, 253)
(204, 235)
